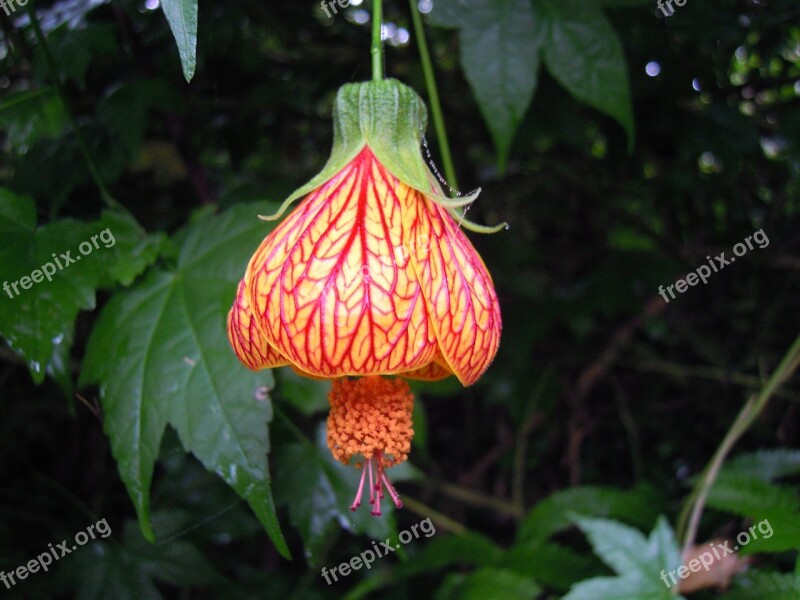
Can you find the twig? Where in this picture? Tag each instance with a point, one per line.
(693, 508)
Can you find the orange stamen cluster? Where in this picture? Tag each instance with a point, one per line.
(371, 417)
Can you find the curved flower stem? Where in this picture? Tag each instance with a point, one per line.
(106, 196)
(377, 41)
(433, 96)
(693, 508)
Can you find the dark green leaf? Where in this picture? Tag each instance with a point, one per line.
(639, 506)
(584, 53)
(129, 569)
(182, 19)
(29, 116)
(500, 45)
(751, 496)
(549, 563)
(318, 492)
(489, 582)
(37, 320)
(759, 585)
(441, 552)
(175, 367)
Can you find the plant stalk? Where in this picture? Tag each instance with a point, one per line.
(433, 97)
(693, 510)
(377, 40)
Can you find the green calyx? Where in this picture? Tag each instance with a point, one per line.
(390, 118)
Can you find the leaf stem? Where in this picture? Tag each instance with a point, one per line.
(433, 96)
(107, 198)
(377, 41)
(693, 509)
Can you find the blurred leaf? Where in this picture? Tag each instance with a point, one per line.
(440, 553)
(549, 563)
(759, 585)
(177, 368)
(489, 582)
(782, 533)
(126, 109)
(500, 44)
(76, 48)
(182, 18)
(624, 3)
(638, 561)
(584, 54)
(751, 496)
(309, 396)
(639, 505)
(767, 465)
(29, 116)
(39, 319)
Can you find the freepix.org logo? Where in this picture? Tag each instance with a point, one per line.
(10, 6)
(48, 269)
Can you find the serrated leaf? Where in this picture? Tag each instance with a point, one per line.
(750, 496)
(775, 531)
(639, 506)
(766, 465)
(38, 320)
(615, 588)
(638, 561)
(173, 365)
(182, 18)
(500, 49)
(584, 54)
(759, 585)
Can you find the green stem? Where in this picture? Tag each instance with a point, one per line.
(377, 42)
(690, 515)
(433, 96)
(108, 199)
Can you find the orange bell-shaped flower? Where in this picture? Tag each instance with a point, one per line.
(371, 273)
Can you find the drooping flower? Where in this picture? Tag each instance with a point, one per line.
(371, 274)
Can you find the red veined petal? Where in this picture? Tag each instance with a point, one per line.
(246, 338)
(332, 284)
(462, 303)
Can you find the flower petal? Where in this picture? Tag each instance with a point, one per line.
(246, 338)
(433, 371)
(458, 289)
(332, 286)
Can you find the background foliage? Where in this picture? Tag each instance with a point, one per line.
(623, 148)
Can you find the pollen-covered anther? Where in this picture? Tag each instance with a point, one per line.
(370, 417)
